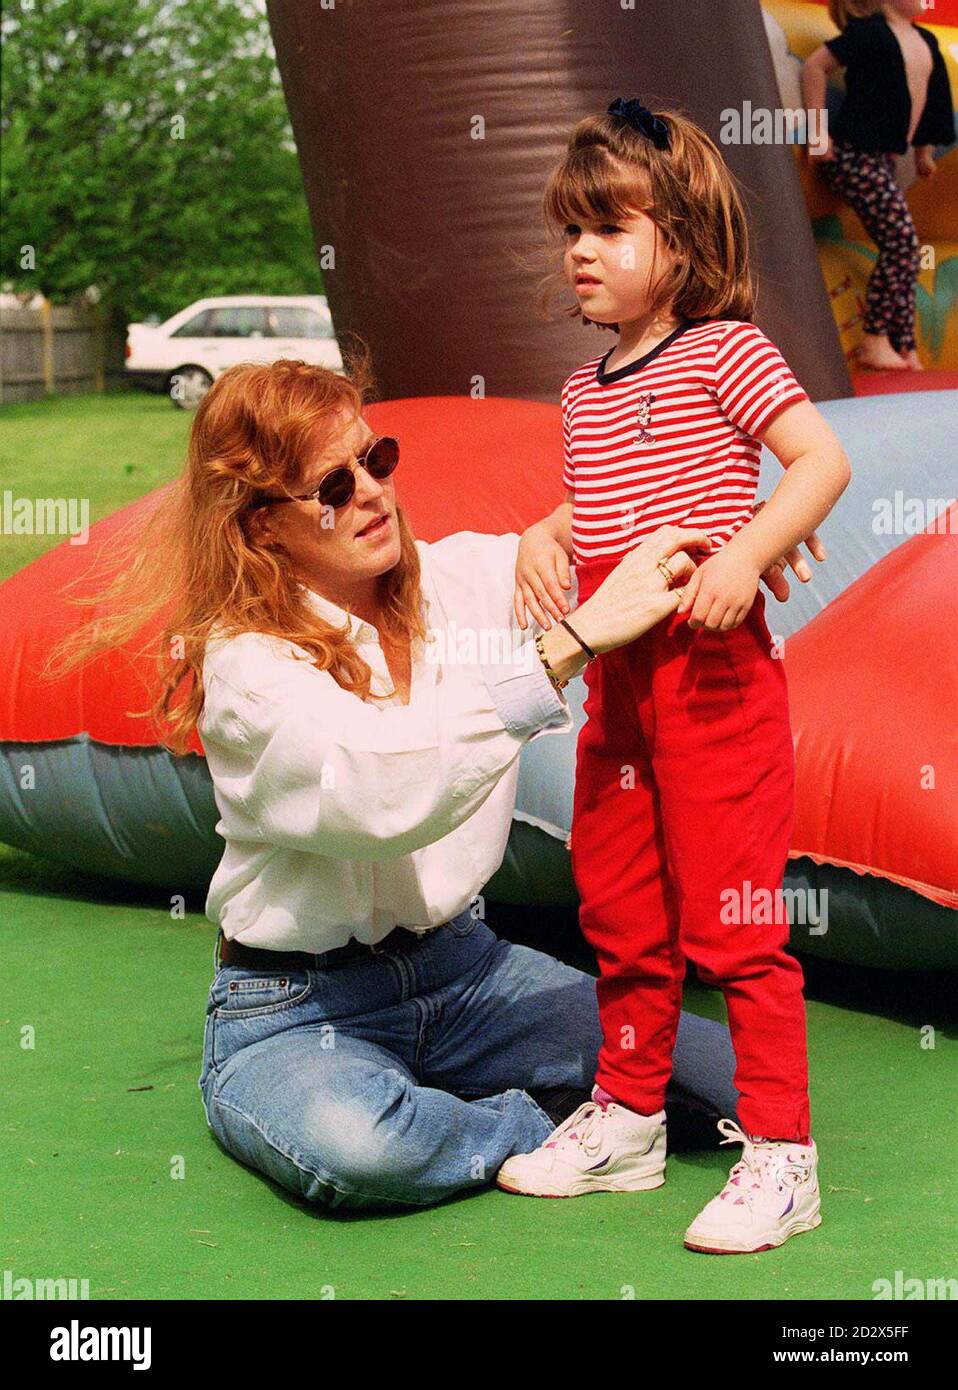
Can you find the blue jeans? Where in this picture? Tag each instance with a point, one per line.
(401, 1078)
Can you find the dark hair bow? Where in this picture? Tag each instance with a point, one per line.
(640, 118)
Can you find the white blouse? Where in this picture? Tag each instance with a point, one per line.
(346, 819)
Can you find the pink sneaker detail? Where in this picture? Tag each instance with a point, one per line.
(551, 1143)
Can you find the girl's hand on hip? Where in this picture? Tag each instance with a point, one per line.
(542, 573)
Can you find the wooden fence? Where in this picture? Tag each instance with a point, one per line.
(58, 348)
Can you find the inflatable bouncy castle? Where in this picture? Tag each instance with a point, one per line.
(868, 646)
(435, 274)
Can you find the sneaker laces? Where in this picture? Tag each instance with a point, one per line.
(761, 1159)
(582, 1127)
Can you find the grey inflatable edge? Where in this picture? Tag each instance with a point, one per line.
(901, 450)
(858, 919)
(143, 816)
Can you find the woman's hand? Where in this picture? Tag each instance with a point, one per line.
(542, 572)
(632, 598)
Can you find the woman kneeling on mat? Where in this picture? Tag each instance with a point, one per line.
(369, 1041)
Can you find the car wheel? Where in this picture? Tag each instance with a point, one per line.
(187, 386)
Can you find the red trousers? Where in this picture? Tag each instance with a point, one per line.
(683, 810)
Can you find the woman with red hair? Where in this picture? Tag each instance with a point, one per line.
(369, 1041)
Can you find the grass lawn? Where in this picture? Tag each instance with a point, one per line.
(109, 449)
(110, 1173)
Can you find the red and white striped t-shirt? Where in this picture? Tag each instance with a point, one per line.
(670, 438)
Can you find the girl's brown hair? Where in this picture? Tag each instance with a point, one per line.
(841, 11)
(610, 171)
(203, 559)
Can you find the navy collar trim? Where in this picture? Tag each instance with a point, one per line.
(605, 378)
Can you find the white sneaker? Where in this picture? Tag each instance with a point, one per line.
(597, 1149)
(771, 1194)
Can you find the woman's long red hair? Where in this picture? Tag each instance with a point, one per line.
(202, 559)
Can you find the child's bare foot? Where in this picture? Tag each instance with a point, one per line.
(876, 354)
(911, 360)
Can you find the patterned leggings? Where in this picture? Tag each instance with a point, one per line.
(867, 182)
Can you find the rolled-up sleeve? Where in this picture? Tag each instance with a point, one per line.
(313, 767)
(526, 700)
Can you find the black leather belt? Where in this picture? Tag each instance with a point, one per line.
(255, 958)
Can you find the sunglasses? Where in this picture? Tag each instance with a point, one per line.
(339, 484)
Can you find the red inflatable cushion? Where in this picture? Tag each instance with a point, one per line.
(873, 683)
(479, 465)
(873, 679)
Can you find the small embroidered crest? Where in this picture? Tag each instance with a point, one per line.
(645, 418)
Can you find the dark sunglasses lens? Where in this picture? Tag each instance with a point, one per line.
(337, 487)
(382, 457)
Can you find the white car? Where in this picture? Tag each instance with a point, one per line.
(185, 355)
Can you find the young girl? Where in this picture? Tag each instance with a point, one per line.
(896, 94)
(684, 779)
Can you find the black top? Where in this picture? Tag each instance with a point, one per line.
(604, 378)
(876, 112)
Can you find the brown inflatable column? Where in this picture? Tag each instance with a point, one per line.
(426, 131)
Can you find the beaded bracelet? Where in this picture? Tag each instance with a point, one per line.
(559, 685)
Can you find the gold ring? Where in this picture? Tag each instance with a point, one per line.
(668, 576)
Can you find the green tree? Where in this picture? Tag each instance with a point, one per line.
(147, 151)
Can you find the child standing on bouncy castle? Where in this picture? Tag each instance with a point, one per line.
(896, 94)
(683, 805)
